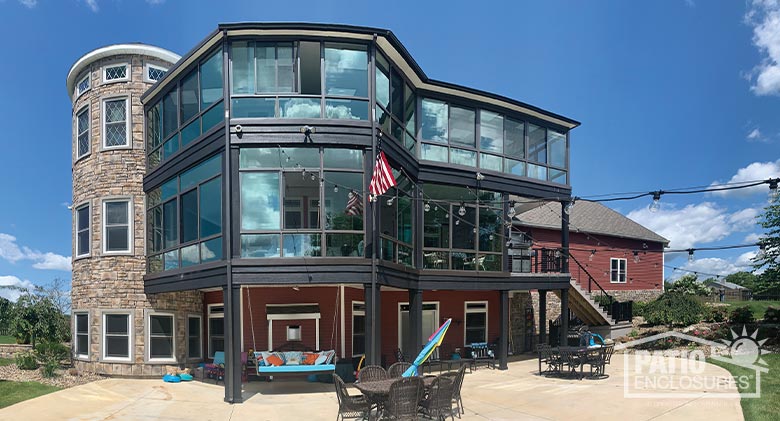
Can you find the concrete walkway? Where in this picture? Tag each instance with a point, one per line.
(515, 394)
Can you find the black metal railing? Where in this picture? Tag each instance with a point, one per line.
(619, 311)
(540, 260)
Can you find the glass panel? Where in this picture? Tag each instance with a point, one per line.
(490, 226)
(346, 109)
(344, 205)
(210, 208)
(161, 325)
(115, 122)
(410, 109)
(303, 157)
(433, 152)
(514, 138)
(462, 126)
(491, 131)
(262, 158)
(490, 262)
(243, 62)
(190, 101)
(557, 176)
(82, 218)
(169, 189)
(193, 327)
(463, 157)
(213, 116)
(117, 346)
(190, 255)
(116, 213)
(388, 213)
(266, 67)
(189, 216)
(155, 223)
(211, 250)
(302, 245)
(344, 245)
(299, 108)
(434, 125)
(153, 129)
(557, 146)
(116, 324)
(190, 133)
(200, 172)
(343, 158)
(211, 80)
(171, 259)
(437, 227)
(405, 212)
(161, 348)
(285, 68)
(216, 326)
(309, 54)
(382, 87)
(83, 239)
(82, 323)
(154, 158)
(170, 147)
(405, 255)
(254, 107)
(463, 235)
(464, 261)
(383, 119)
(170, 120)
(388, 249)
(193, 347)
(514, 167)
(303, 191)
(346, 71)
(260, 245)
(396, 95)
(409, 142)
(82, 344)
(490, 162)
(537, 144)
(170, 231)
(436, 260)
(260, 201)
(537, 171)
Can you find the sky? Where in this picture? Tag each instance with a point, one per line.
(671, 94)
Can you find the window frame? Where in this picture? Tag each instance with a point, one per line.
(148, 337)
(88, 132)
(130, 226)
(130, 342)
(358, 313)
(128, 72)
(76, 210)
(150, 66)
(624, 262)
(466, 311)
(128, 126)
(188, 335)
(76, 354)
(214, 315)
(86, 77)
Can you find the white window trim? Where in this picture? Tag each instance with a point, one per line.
(295, 316)
(84, 109)
(625, 272)
(148, 336)
(130, 227)
(149, 66)
(200, 336)
(436, 317)
(76, 355)
(357, 313)
(212, 315)
(116, 64)
(466, 311)
(78, 93)
(128, 127)
(89, 229)
(130, 341)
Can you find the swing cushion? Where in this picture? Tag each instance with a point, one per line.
(309, 358)
(293, 357)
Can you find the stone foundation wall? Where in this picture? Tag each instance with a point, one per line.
(10, 350)
(638, 295)
(521, 322)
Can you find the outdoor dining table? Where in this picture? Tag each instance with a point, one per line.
(379, 390)
(580, 354)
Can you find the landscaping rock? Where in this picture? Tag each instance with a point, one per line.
(65, 377)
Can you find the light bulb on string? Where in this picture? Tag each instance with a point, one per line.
(335, 189)
(351, 194)
(636, 257)
(390, 201)
(511, 212)
(568, 206)
(457, 222)
(773, 193)
(462, 210)
(313, 177)
(474, 230)
(592, 253)
(490, 237)
(690, 255)
(656, 203)
(427, 207)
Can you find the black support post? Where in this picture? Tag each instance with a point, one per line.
(543, 316)
(564, 317)
(414, 341)
(564, 238)
(503, 338)
(232, 300)
(373, 336)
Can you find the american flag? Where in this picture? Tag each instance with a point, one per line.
(382, 179)
(354, 204)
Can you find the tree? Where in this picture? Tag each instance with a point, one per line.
(35, 316)
(5, 312)
(745, 279)
(689, 285)
(769, 260)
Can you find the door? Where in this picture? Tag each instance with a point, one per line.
(430, 316)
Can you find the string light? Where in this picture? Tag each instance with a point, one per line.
(390, 201)
(592, 253)
(427, 207)
(462, 210)
(457, 222)
(690, 255)
(656, 204)
(335, 189)
(773, 193)
(636, 257)
(568, 206)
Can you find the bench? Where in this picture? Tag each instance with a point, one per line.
(295, 369)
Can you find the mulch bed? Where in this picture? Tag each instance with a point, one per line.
(63, 379)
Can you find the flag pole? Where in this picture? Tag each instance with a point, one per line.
(372, 202)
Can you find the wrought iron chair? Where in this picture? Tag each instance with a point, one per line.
(569, 361)
(596, 359)
(547, 356)
(438, 404)
(397, 369)
(372, 373)
(350, 406)
(609, 349)
(404, 399)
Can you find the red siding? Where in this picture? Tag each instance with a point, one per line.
(647, 274)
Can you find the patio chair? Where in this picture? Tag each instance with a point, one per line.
(216, 370)
(481, 352)
(547, 356)
(350, 406)
(456, 398)
(609, 349)
(372, 373)
(404, 399)
(569, 361)
(596, 359)
(397, 369)
(438, 404)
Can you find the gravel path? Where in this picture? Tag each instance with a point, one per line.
(63, 378)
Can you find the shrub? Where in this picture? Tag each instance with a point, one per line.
(772, 315)
(742, 315)
(49, 354)
(639, 308)
(716, 314)
(49, 368)
(674, 309)
(26, 361)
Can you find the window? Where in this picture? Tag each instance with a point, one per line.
(294, 333)
(83, 85)
(358, 328)
(396, 226)
(617, 271)
(116, 226)
(81, 333)
(184, 218)
(194, 343)
(116, 336)
(216, 329)
(301, 202)
(154, 73)
(116, 124)
(476, 322)
(116, 73)
(82, 133)
(82, 230)
(160, 328)
(396, 105)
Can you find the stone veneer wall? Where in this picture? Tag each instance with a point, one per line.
(115, 282)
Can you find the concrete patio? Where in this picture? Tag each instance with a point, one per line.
(516, 394)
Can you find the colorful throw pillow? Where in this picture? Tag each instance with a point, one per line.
(259, 359)
(274, 359)
(326, 357)
(310, 358)
(321, 358)
(293, 357)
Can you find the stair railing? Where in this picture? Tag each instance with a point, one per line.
(617, 310)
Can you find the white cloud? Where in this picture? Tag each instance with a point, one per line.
(29, 3)
(13, 281)
(744, 219)
(764, 17)
(755, 135)
(693, 224)
(753, 172)
(92, 5)
(752, 238)
(708, 266)
(690, 3)
(12, 252)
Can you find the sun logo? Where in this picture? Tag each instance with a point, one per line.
(745, 350)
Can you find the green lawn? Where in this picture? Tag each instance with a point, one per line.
(13, 392)
(757, 307)
(768, 406)
(4, 340)
(6, 361)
